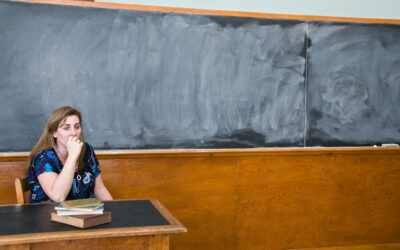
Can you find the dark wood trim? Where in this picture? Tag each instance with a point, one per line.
(129, 154)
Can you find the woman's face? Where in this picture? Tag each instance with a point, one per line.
(71, 127)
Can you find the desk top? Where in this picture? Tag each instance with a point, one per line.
(31, 223)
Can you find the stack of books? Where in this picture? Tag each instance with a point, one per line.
(81, 213)
(80, 207)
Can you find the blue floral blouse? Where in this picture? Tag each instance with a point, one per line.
(47, 161)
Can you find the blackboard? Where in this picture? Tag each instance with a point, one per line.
(353, 84)
(155, 80)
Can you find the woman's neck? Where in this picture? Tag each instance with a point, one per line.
(62, 153)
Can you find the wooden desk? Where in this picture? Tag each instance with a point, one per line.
(136, 224)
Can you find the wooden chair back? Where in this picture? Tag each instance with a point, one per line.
(21, 187)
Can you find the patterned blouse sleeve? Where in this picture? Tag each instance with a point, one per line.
(93, 162)
(44, 161)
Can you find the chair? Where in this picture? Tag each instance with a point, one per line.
(21, 187)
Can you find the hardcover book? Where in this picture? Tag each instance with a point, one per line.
(82, 221)
(59, 207)
(80, 203)
(79, 212)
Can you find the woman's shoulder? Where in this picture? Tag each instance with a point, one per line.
(89, 148)
(91, 159)
(45, 154)
(89, 152)
(88, 145)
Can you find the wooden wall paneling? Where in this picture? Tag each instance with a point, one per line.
(151, 242)
(318, 200)
(17, 247)
(258, 199)
(383, 246)
(199, 191)
(8, 172)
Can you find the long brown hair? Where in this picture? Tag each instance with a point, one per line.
(47, 141)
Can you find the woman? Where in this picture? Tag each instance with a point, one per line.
(61, 165)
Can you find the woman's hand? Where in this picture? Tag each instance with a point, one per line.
(74, 147)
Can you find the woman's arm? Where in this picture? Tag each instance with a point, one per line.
(100, 190)
(57, 186)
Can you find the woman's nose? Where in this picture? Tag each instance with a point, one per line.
(73, 132)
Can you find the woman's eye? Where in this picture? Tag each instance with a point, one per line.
(66, 128)
(77, 127)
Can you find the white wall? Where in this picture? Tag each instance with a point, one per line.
(384, 9)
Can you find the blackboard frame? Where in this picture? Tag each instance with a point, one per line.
(214, 12)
